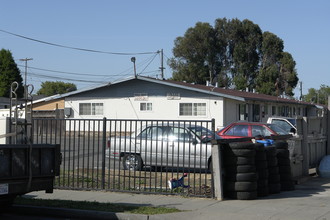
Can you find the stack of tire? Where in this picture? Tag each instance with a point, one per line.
(240, 178)
(262, 170)
(274, 181)
(284, 165)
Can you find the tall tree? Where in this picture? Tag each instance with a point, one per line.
(195, 55)
(52, 88)
(319, 96)
(244, 39)
(288, 74)
(277, 74)
(9, 73)
(235, 54)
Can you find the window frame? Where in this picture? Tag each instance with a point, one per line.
(148, 106)
(91, 108)
(195, 109)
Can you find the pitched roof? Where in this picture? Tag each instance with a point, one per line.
(246, 95)
(226, 93)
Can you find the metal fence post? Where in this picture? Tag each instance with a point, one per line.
(305, 148)
(217, 170)
(104, 145)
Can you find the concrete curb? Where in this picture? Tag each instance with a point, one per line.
(73, 213)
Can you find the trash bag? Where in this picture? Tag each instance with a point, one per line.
(324, 167)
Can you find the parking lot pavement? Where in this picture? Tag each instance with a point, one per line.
(310, 200)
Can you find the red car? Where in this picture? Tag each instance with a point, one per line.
(250, 129)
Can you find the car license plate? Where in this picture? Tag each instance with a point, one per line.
(4, 189)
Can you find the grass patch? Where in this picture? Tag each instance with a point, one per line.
(96, 206)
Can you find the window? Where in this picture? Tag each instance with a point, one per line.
(242, 112)
(90, 108)
(180, 134)
(273, 110)
(153, 133)
(192, 109)
(145, 106)
(283, 124)
(260, 130)
(238, 130)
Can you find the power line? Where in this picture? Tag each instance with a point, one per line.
(149, 60)
(62, 78)
(75, 48)
(57, 71)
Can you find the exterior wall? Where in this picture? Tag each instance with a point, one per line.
(230, 112)
(123, 102)
(49, 105)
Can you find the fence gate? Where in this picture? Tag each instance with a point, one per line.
(93, 152)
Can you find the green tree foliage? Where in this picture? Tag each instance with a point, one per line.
(195, 54)
(235, 54)
(9, 73)
(319, 96)
(52, 88)
(277, 74)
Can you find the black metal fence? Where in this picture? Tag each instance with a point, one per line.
(145, 156)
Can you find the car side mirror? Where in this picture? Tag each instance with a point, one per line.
(292, 130)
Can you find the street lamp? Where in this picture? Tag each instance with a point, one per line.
(133, 60)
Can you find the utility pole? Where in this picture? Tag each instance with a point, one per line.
(162, 63)
(300, 90)
(25, 81)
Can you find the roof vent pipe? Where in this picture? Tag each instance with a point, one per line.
(207, 83)
(217, 84)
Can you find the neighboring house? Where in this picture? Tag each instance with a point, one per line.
(4, 102)
(48, 107)
(149, 98)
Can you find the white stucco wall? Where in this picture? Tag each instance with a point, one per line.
(162, 108)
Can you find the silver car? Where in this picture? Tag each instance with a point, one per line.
(184, 146)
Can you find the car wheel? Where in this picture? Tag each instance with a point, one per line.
(132, 162)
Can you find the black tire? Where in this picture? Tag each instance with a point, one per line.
(261, 164)
(273, 170)
(283, 162)
(274, 178)
(240, 145)
(260, 156)
(242, 195)
(132, 162)
(274, 188)
(270, 151)
(240, 186)
(287, 185)
(281, 145)
(286, 176)
(242, 177)
(262, 183)
(284, 169)
(239, 161)
(263, 174)
(282, 153)
(243, 152)
(240, 169)
(262, 192)
(272, 161)
(259, 147)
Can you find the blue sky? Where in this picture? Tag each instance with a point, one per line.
(135, 27)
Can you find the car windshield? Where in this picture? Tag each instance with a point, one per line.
(277, 129)
(202, 132)
(292, 121)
